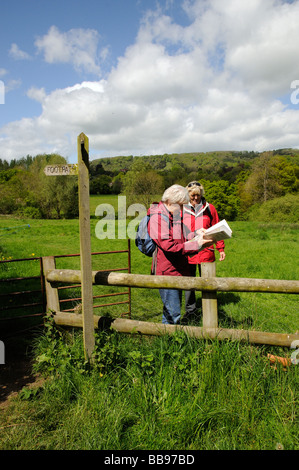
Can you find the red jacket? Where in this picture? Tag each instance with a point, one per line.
(168, 234)
(198, 218)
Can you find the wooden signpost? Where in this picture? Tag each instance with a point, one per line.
(85, 245)
(82, 170)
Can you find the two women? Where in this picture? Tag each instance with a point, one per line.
(166, 228)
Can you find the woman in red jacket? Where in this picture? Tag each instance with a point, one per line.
(165, 227)
(198, 213)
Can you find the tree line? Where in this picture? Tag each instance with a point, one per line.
(26, 191)
(239, 184)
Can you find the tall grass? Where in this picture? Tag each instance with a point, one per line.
(164, 393)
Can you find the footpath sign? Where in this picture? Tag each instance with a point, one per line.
(82, 170)
(61, 170)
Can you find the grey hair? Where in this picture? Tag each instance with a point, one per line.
(176, 194)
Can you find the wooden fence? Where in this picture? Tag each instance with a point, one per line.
(209, 284)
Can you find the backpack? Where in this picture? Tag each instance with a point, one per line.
(143, 241)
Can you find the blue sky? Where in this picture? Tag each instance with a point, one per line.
(145, 76)
(116, 21)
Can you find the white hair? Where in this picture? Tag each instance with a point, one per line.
(176, 194)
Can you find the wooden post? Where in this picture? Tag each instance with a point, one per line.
(209, 299)
(51, 292)
(129, 271)
(85, 246)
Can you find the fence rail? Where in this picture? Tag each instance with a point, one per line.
(123, 325)
(209, 287)
(53, 280)
(177, 282)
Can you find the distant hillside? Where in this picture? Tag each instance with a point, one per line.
(219, 162)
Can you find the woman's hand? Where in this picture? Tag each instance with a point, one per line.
(201, 240)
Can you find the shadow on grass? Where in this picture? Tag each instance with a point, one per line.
(225, 320)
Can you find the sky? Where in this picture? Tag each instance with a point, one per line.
(148, 77)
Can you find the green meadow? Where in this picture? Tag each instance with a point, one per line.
(163, 393)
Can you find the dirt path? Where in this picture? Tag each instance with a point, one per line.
(15, 374)
(13, 378)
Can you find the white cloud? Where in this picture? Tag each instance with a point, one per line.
(37, 94)
(212, 85)
(12, 84)
(77, 47)
(16, 53)
(147, 75)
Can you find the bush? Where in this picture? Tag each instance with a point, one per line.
(283, 209)
(31, 213)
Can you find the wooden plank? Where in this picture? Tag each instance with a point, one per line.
(48, 263)
(225, 284)
(209, 298)
(85, 246)
(157, 329)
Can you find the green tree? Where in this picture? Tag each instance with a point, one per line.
(56, 196)
(224, 197)
(142, 184)
(288, 174)
(270, 177)
(175, 175)
(101, 184)
(13, 191)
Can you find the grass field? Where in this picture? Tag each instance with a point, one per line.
(162, 393)
(255, 251)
